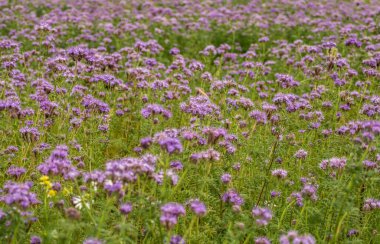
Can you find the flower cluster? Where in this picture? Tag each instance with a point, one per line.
(170, 213)
(59, 164)
(19, 195)
(262, 215)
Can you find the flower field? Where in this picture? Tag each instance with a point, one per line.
(189, 121)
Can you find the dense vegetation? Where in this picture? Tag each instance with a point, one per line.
(183, 121)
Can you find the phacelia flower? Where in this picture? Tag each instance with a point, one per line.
(262, 215)
(170, 213)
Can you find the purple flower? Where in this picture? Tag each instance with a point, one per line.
(275, 194)
(30, 134)
(174, 51)
(170, 213)
(171, 145)
(108, 80)
(77, 53)
(2, 214)
(262, 215)
(176, 239)
(16, 171)
(286, 81)
(231, 196)
(369, 164)
(19, 194)
(198, 207)
(176, 165)
(353, 41)
(92, 241)
(294, 237)
(59, 164)
(126, 208)
(297, 196)
(209, 155)
(262, 240)
(310, 191)
(259, 116)
(352, 232)
(300, 154)
(146, 142)
(280, 173)
(333, 163)
(155, 109)
(200, 106)
(371, 204)
(226, 178)
(127, 169)
(95, 105)
(35, 240)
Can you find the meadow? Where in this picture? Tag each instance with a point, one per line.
(189, 121)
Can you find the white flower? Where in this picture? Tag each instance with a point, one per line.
(94, 186)
(79, 202)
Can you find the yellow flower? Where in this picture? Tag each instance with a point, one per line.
(67, 191)
(45, 181)
(52, 193)
(48, 184)
(44, 178)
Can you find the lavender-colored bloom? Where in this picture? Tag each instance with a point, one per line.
(280, 173)
(226, 178)
(35, 240)
(127, 169)
(286, 81)
(2, 214)
(369, 164)
(30, 134)
(16, 171)
(236, 166)
(19, 194)
(146, 142)
(176, 165)
(262, 240)
(155, 109)
(176, 239)
(173, 176)
(231, 196)
(59, 164)
(171, 145)
(371, 204)
(92, 104)
(95, 176)
(333, 163)
(259, 116)
(300, 154)
(200, 106)
(174, 51)
(198, 207)
(11, 149)
(170, 213)
(353, 42)
(310, 191)
(126, 208)
(297, 196)
(352, 232)
(275, 194)
(92, 241)
(209, 155)
(108, 80)
(262, 215)
(213, 134)
(292, 237)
